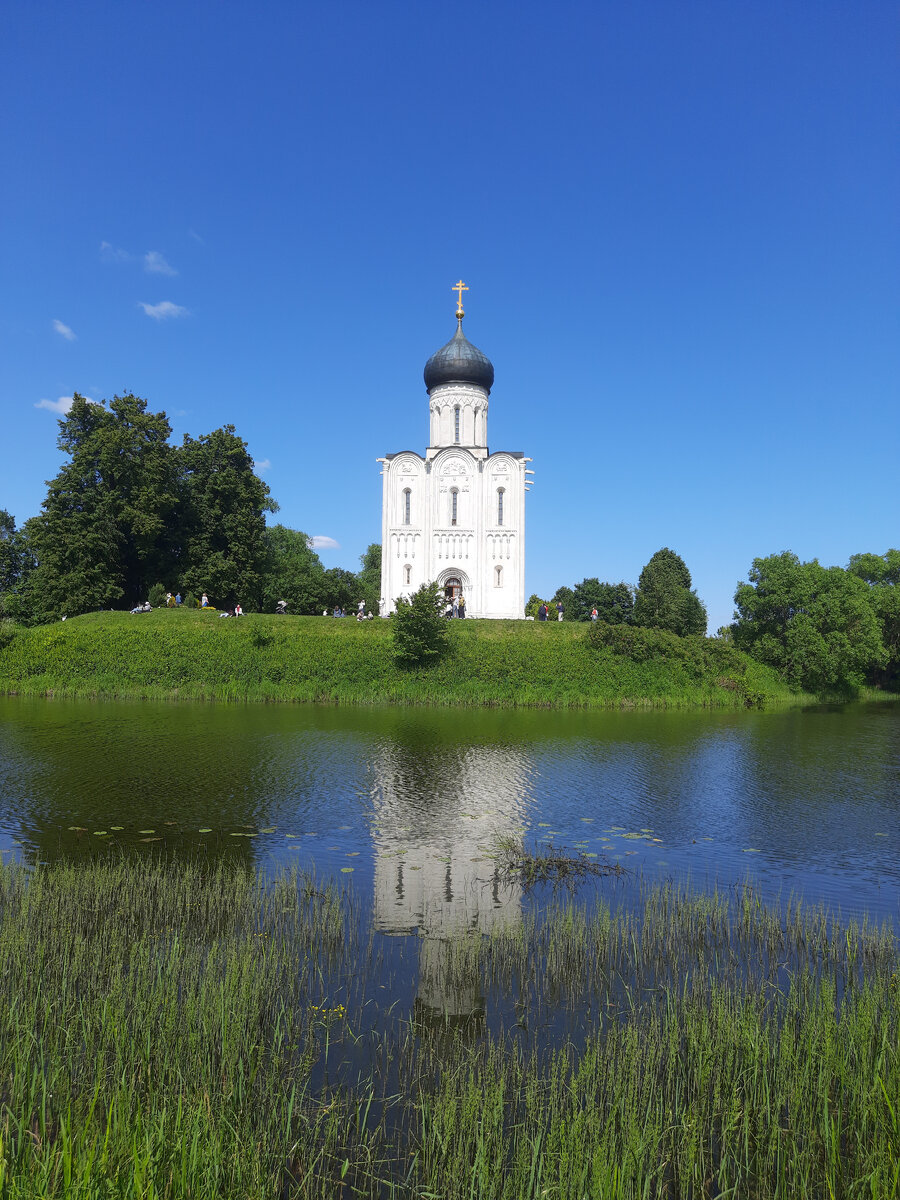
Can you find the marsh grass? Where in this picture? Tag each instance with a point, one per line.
(175, 1030)
(549, 864)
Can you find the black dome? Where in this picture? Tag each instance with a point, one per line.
(459, 362)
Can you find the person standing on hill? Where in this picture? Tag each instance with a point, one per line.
(542, 613)
(559, 610)
(461, 611)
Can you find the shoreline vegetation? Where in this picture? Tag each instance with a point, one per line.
(171, 654)
(176, 1028)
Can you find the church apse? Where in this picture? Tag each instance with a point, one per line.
(459, 511)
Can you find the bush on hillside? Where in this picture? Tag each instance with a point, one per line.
(420, 628)
(700, 657)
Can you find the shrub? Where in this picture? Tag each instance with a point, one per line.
(157, 596)
(420, 628)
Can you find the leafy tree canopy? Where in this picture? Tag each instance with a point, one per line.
(664, 598)
(224, 548)
(614, 602)
(814, 624)
(370, 577)
(341, 589)
(420, 628)
(103, 531)
(293, 572)
(566, 596)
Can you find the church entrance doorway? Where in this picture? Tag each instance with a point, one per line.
(452, 588)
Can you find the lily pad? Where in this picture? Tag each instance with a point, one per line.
(153, 839)
(205, 829)
(146, 831)
(117, 828)
(346, 870)
(750, 850)
(268, 829)
(78, 828)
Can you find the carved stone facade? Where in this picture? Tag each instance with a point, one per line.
(457, 515)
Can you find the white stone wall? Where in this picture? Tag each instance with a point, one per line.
(483, 547)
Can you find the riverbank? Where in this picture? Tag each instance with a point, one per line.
(176, 1029)
(180, 654)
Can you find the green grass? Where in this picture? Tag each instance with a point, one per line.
(169, 654)
(172, 1031)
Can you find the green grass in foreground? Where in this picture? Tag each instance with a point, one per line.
(168, 1031)
(190, 654)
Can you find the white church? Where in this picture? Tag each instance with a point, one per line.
(456, 516)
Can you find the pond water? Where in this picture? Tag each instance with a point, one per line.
(409, 804)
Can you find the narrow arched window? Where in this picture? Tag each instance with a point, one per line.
(454, 505)
(407, 574)
(498, 577)
(407, 497)
(499, 506)
(456, 424)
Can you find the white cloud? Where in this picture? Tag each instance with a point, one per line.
(196, 236)
(163, 310)
(320, 542)
(155, 264)
(113, 254)
(261, 464)
(61, 406)
(65, 331)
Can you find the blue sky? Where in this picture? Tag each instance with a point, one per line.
(678, 223)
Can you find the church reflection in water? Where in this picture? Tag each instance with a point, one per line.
(437, 823)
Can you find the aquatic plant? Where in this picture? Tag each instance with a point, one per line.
(174, 1029)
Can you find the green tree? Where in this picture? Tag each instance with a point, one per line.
(664, 598)
(614, 602)
(814, 624)
(224, 550)
(566, 596)
(533, 605)
(420, 628)
(293, 572)
(882, 573)
(105, 531)
(14, 561)
(370, 577)
(341, 589)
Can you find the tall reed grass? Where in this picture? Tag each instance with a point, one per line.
(174, 1030)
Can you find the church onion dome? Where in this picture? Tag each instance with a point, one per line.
(459, 362)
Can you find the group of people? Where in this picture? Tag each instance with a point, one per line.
(456, 607)
(544, 612)
(361, 614)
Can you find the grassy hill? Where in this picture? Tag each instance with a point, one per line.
(169, 654)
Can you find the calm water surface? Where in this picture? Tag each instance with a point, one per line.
(409, 803)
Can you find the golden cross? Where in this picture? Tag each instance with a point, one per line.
(460, 288)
